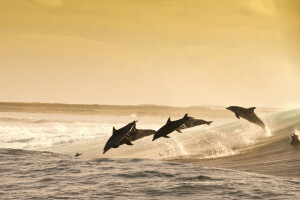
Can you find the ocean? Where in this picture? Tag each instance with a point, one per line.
(230, 159)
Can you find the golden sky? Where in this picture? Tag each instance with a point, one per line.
(171, 52)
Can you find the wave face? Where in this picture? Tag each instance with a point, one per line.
(143, 171)
(75, 132)
(69, 134)
(45, 175)
(202, 142)
(272, 155)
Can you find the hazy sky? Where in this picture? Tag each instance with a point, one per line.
(171, 52)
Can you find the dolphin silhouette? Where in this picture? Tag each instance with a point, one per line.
(193, 122)
(294, 139)
(248, 114)
(169, 127)
(117, 136)
(77, 154)
(136, 134)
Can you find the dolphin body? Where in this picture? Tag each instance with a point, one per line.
(248, 114)
(192, 122)
(136, 134)
(169, 127)
(117, 136)
(294, 139)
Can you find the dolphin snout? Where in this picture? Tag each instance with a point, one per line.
(155, 137)
(105, 150)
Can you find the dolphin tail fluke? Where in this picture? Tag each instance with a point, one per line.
(208, 123)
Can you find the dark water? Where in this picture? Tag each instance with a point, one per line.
(44, 175)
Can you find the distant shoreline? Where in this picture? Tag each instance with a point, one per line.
(123, 110)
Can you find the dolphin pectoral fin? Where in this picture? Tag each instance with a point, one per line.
(166, 136)
(128, 143)
(237, 115)
(179, 131)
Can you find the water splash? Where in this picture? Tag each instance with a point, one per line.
(268, 131)
(181, 148)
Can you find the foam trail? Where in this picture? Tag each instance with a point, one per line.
(268, 131)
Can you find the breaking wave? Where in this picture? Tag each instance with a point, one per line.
(68, 135)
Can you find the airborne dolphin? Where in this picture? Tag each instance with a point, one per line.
(169, 127)
(117, 136)
(136, 134)
(248, 114)
(193, 122)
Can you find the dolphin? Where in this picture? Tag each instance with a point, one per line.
(193, 122)
(248, 114)
(294, 139)
(77, 154)
(136, 134)
(117, 136)
(169, 127)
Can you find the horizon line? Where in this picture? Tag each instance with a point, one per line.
(95, 104)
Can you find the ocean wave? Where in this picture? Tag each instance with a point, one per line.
(241, 143)
(44, 175)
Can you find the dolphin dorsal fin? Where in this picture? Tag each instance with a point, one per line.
(252, 109)
(169, 120)
(114, 130)
(185, 116)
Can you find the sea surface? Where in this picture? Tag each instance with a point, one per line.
(227, 160)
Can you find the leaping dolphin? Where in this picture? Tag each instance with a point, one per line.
(248, 114)
(136, 134)
(193, 122)
(117, 136)
(294, 139)
(169, 127)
